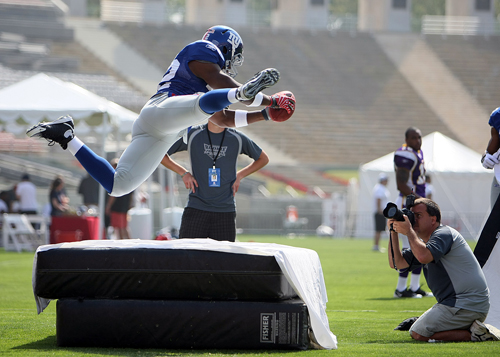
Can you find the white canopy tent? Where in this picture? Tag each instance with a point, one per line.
(46, 98)
(43, 97)
(461, 185)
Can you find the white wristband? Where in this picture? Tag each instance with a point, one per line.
(240, 118)
(257, 100)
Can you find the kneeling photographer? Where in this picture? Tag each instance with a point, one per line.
(451, 270)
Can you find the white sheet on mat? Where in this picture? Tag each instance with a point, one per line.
(301, 267)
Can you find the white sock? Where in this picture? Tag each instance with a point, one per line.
(74, 145)
(401, 284)
(414, 282)
(231, 95)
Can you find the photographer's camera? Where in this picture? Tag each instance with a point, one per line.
(392, 211)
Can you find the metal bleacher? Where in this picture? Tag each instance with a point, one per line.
(35, 19)
(474, 61)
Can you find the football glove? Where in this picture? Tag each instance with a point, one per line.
(283, 100)
(277, 115)
(489, 160)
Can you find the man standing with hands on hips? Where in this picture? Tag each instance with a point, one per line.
(214, 181)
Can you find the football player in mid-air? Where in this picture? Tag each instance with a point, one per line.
(197, 86)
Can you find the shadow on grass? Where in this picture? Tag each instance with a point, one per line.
(390, 298)
(49, 344)
(394, 342)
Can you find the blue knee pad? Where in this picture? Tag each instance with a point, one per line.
(214, 101)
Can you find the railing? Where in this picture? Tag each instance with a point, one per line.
(157, 12)
(343, 23)
(457, 25)
(40, 173)
(354, 225)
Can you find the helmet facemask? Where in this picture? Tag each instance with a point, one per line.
(230, 65)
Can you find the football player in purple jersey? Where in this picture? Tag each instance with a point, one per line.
(198, 85)
(410, 178)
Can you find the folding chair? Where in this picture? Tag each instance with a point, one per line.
(19, 234)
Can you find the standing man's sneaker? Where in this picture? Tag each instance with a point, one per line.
(262, 80)
(406, 294)
(423, 292)
(483, 332)
(58, 131)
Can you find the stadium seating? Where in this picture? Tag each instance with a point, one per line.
(352, 104)
(37, 19)
(474, 61)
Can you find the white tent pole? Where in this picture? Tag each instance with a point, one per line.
(161, 178)
(101, 189)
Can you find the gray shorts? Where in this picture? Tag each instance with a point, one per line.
(445, 318)
(153, 132)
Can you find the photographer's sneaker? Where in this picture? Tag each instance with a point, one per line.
(423, 292)
(262, 80)
(483, 332)
(58, 131)
(406, 294)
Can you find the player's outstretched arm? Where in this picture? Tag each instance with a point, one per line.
(211, 73)
(238, 118)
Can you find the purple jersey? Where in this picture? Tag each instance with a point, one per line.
(179, 80)
(407, 158)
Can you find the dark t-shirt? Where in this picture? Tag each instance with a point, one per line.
(122, 204)
(89, 189)
(58, 196)
(454, 276)
(202, 154)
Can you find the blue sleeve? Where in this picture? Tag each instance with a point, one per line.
(205, 51)
(495, 119)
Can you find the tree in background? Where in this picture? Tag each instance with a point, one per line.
(344, 7)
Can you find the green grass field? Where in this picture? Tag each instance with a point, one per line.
(361, 310)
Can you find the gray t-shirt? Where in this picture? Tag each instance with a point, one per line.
(454, 276)
(202, 154)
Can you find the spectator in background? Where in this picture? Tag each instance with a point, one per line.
(214, 181)
(410, 178)
(429, 189)
(26, 195)
(89, 189)
(381, 196)
(4, 208)
(117, 208)
(492, 153)
(59, 202)
(11, 200)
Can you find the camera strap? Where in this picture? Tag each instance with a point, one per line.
(392, 249)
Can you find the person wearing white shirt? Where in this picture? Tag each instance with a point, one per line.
(26, 195)
(381, 196)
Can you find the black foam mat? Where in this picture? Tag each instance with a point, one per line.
(142, 273)
(182, 324)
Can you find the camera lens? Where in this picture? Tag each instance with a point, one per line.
(391, 212)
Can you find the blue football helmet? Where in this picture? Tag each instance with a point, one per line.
(230, 44)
